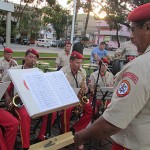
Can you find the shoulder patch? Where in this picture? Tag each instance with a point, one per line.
(130, 75)
(123, 89)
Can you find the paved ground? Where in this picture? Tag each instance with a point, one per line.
(102, 145)
(23, 48)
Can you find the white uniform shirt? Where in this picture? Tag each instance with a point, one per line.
(63, 59)
(127, 48)
(5, 64)
(130, 105)
(106, 80)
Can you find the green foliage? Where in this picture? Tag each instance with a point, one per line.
(58, 17)
(30, 22)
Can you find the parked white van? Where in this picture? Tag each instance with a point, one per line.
(43, 42)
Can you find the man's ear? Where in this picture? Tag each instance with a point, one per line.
(148, 26)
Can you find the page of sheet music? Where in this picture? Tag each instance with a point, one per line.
(62, 87)
(3, 87)
(42, 92)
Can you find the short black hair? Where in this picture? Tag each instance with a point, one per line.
(141, 23)
(103, 43)
(85, 39)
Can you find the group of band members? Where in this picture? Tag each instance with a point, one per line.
(74, 73)
(71, 65)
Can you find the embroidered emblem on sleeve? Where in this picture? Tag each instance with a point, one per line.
(123, 89)
(130, 75)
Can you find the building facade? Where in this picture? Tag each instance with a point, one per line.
(99, 30)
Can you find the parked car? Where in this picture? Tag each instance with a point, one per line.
(61, 43)
(43, 42)
(25, 42)
(55, 43)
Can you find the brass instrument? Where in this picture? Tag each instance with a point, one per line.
(81, 95)
(16, 102)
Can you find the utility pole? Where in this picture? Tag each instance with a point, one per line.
(73, 23)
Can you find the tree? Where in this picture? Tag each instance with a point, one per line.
(22, 11)
(58, 17)
(30, 23)
(87, 8)
(117, 11)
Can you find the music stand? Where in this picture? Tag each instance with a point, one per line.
(103, 94)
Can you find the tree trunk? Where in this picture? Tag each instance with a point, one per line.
(117, 35)
(87, 18)
(86, 23)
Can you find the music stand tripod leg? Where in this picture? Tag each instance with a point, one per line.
(48, 127)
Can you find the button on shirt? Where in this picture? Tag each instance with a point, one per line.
(130, 105)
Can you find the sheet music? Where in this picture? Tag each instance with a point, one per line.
(62, 87)
(42, 92)
(50, 90)
(3, 87)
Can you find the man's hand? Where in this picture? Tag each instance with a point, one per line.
(78, 142)
(118, 54)
(12, 63)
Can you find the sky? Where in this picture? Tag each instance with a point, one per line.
(63, 3)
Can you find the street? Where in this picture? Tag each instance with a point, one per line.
(23, 48)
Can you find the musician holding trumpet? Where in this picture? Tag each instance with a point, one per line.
(76, 76)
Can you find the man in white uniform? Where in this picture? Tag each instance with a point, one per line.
(126, 119)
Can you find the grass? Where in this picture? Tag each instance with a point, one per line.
(51, 62)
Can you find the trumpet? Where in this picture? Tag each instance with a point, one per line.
(16, 102)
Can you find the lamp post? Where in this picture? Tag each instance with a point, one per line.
(73, 23)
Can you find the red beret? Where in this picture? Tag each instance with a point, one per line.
(105, 60)
(140, 13)
(67, 42)
(77, 55)
(33, 51)
(8, 50)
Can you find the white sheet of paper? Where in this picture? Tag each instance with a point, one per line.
(76, 90)
(3, 87)
(62, 87)
(50, 90)
(42, 92)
